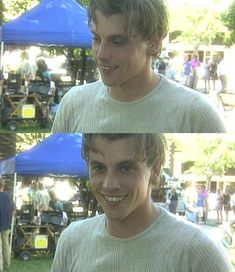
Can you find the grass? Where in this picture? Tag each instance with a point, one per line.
(43, 263)
(36, 264)
(27, 126)
(22, 129)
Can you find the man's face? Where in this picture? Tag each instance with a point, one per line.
(120, 183)
(120, 59)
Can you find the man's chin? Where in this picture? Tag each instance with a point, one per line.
(107, 82)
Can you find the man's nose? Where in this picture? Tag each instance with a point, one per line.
(111, 181)
(102, 51)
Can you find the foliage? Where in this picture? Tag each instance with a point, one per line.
(83, 2)
(198, 24)
(228, 19)
(27, 140)
(214, 157)
(16, 7)
(2, 8)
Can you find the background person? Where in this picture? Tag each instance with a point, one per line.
(202, 204)
(173, 201)
(226, 203)
(131, 97)
(6, 213)
(26, 70)
(42, 72)
(187, 70)
(213, 71)
(133, 234)
(195, 64)
(33, 195)
(43, 198)
(206, 75)
(192, 210)
(219, 205)
(222, 74)
(161, 66)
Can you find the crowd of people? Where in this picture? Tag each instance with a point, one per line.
(198, 204)
(40, 198)
(190, 70)
(30, 71)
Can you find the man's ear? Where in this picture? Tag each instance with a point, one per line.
(155, 173)
(154, 47)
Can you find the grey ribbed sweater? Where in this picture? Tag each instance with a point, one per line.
(168, 108)
(168, 245)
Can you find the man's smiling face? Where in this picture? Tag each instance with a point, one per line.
(121, 58)
(120, 183)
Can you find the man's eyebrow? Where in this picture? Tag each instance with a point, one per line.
(91, 161)
(130, 162)
(114, 36)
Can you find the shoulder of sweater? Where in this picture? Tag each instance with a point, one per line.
(183, 94)
(82, 225)
(89, 87)
(170, 85)
(174, 223)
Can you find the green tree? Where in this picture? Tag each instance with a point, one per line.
(228, 19)
(14, 8)
(27, 140)
(196, 24)
(214, 157)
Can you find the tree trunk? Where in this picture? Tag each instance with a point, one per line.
(83, 71)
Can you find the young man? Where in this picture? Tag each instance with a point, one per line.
(133, 234)
(127, 35)
(6, 213)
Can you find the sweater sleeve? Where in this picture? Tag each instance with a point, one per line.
(205, 117)
(67, 244)
(58, 264)
(65, 111)
(204, 254)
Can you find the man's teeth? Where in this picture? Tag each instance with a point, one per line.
(114, 198)
(107, 68)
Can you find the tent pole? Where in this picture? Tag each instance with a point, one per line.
(13, 215)
(1, 56)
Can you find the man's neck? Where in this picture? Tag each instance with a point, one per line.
(133, 225)
(135, 90)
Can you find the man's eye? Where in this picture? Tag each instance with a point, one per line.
(95, 39)
(119, 42)
(97, 168)
(127, 169)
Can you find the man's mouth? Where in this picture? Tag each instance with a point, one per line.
(107, 68)
(114, 199)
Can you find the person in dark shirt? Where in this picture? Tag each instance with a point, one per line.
(6, 212)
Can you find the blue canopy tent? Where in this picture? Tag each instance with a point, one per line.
(51, 22)
(58, 154)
